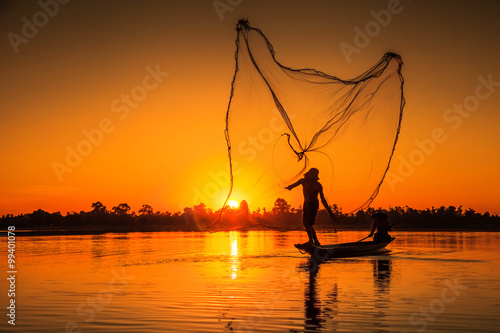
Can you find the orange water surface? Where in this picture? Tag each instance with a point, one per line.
(252, 282)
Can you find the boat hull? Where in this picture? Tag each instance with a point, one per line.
(343, 250)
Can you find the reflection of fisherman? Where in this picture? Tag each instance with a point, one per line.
(311, 188)
(382, 270)
(313, 319)
(381, 224)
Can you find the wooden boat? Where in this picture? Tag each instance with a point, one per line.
(343, 250)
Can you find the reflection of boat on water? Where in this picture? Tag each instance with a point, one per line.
(342, 250)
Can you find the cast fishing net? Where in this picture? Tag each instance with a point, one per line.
(281, 121)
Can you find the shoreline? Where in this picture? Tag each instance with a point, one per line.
(83, 232)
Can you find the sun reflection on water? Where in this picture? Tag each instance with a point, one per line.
(235, 262)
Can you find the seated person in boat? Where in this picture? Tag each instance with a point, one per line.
(311, 188)
(382, 226)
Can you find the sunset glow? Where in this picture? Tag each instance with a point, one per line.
(233, 204)
(91, 115)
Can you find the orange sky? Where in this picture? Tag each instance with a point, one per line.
(154, 78)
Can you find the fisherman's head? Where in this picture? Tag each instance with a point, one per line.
(312, 174)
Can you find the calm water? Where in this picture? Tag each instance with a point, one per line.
(253, 282)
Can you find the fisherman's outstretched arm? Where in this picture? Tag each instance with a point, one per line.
(297, 183)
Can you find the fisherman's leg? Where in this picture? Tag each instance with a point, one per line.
(309, 231)
(306, 219)
(308, 223)
(312, 220)
(315, 238)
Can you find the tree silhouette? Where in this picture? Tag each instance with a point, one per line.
(243, 208)
(281, 206)
(146, 210)
(282, 217)
(200, 209)
(99, 208)
(121, 209)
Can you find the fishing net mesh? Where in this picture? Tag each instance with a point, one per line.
(281, 121)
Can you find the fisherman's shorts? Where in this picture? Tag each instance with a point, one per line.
(309, 211)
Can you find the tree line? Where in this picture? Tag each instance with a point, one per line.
(281, 217)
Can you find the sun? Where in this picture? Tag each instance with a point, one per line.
(233, 204)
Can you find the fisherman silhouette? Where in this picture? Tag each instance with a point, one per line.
(311, 188)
